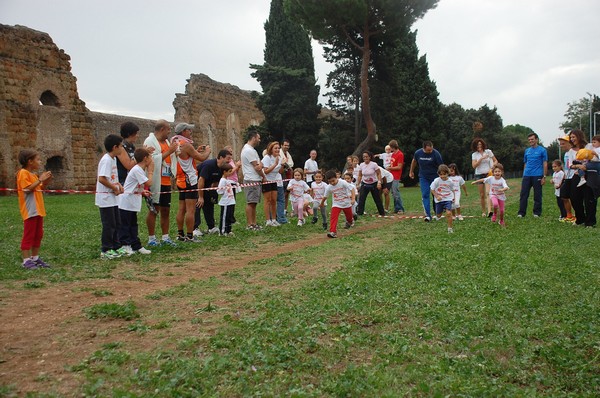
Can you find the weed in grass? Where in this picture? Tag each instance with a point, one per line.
(210, 307)
(127, 311)
(102, 293)
(34, 285)
(138, 327)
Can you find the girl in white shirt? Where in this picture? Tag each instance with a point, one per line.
(298, 188)
(498, 187)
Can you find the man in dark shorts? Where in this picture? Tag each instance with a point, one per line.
(210, 172)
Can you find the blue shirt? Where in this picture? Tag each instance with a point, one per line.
(428, 163)
(534, 161)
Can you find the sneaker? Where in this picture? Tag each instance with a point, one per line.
(450, 231)
(494, 218)
(355, 217)
(300, 223)
(274, 223)
(197, 232)
(125, 251)
(181, 238)
(502, 223)
(192, 240)
(483, 215)
(257, 227)
(536, 216)
(269, 223)
(168, 242)
(347, 225)
(30, 264)
(325, 226)
(331, 235)
(460, 217)
(519, 215)
(581, 182)
(314, 220)
(435, 218)
(427, 219)
(490, 214)
(109, 255)
(213, 230)
(41, 263)
(229, 234)
(570, 219)
(143, 250)
(153, 243)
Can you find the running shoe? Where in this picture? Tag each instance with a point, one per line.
(143, 250)
(168, 241)
(109, 255)
(331, 235)
(30, 264)
(41, 263)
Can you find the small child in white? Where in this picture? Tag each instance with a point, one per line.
(348, 179)
(557, 180)
(457, 183)
(342, 200)
(385, 157)
(498, 187)
(227, 202)
(298, 188)
(443, 193)
(130, 201)
(318, 192)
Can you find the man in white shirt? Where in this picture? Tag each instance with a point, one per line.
(252, 170)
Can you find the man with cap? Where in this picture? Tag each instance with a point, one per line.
(187, 179)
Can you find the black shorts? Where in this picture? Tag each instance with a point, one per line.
(165, 196)
(192, 194)
(270, 187)
(480, 176)
(565, 189)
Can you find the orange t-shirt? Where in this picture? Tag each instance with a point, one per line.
(31, 203)
(165, 172)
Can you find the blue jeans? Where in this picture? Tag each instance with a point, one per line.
(526, 184)
(425, 185)
(281, 219)
(398, 205)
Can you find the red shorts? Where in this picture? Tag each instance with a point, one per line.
(33, 232)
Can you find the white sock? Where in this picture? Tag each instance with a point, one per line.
(152, 238)
(165, 237)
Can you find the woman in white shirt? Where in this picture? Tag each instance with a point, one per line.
(369, 180)
(482, 160)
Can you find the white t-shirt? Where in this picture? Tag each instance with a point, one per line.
(131, 198)
(274, 175)
(341, 194)
(369, 172)
(107, 167)
(557, 179)
(568, 158)
(389, 177)
(457, 182)
(484, 167)
(248, 156)
(225, 189)
(443, 189)
(310, 165)
(297, 189)
(318, 190)
(495, 186)
(386, 158)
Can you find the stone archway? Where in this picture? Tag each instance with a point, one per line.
(207, 125)
(58, 166)
(232, 126)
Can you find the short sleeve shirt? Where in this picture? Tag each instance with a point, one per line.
(369, 172)
(485, 166)
(248, 156)
(495, 186)
(443, 189)
(106, 168)
(274, 175)
(310, 165)
(31, 204)
(211, 172)
(396, 160)
(131, 198)
(341, 194)
(534, 159)
(297, 189)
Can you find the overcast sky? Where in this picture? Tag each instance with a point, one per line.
(529, 58)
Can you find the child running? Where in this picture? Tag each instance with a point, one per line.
(227, 201)
(457, 183)
(348, 178)
(130, 202)
(558, 178)
(31, 205)
(443, 193)
(298, 188)
(318, 192)
(498, 187)
(343, 197)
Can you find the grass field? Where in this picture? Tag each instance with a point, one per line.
(396, 307)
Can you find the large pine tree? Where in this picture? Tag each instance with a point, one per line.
(290, 95)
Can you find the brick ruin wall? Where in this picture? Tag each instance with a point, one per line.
(40, 108)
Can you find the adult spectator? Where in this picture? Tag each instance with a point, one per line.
(582, 198)
(210, 173)
(369, 180)
(482, 160)
(428, 159)
(311, 167)
(288, 174)
(271, 167)
(187, 179)
(125, 160)
(395, 167)
(534, 175)
(252, 170)
(164, 158)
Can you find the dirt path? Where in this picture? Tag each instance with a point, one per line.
(44, 330)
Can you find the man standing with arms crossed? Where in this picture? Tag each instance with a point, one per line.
(252, 170)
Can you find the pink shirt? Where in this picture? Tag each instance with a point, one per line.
(369, 172)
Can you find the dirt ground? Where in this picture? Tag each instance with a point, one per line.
(44, 331)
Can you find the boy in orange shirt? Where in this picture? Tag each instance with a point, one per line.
(31, 204)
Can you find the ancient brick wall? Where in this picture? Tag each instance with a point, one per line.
(40, 108)
(221, 112)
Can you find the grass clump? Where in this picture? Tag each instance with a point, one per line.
(127, 311)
